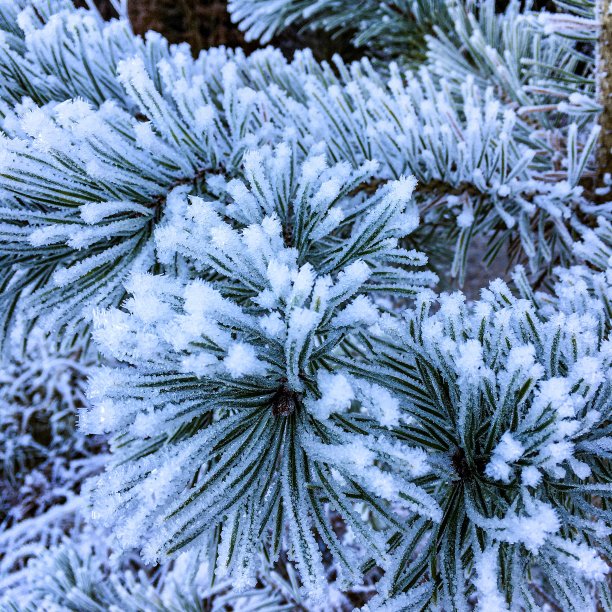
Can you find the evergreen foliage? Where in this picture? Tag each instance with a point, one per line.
(245, 250)
(387, 27)
(510, 399)
(235, 373)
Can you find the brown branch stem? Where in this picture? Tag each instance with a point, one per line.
(604, 76)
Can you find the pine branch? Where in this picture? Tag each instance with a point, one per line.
(280, 383)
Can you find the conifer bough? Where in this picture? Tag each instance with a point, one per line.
(249, 243)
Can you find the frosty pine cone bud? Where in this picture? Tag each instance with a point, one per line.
(285, 401)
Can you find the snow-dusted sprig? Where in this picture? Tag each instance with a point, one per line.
(83, 180)
(324, 220)
(389, 28)
(529, 58)
(79, 200)
(512, 405)
(53, 52)
(479, 173)
(543, 67)
(83, 188)
(230, 429)
(574, 29)
(481, 168)
(498, 127)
